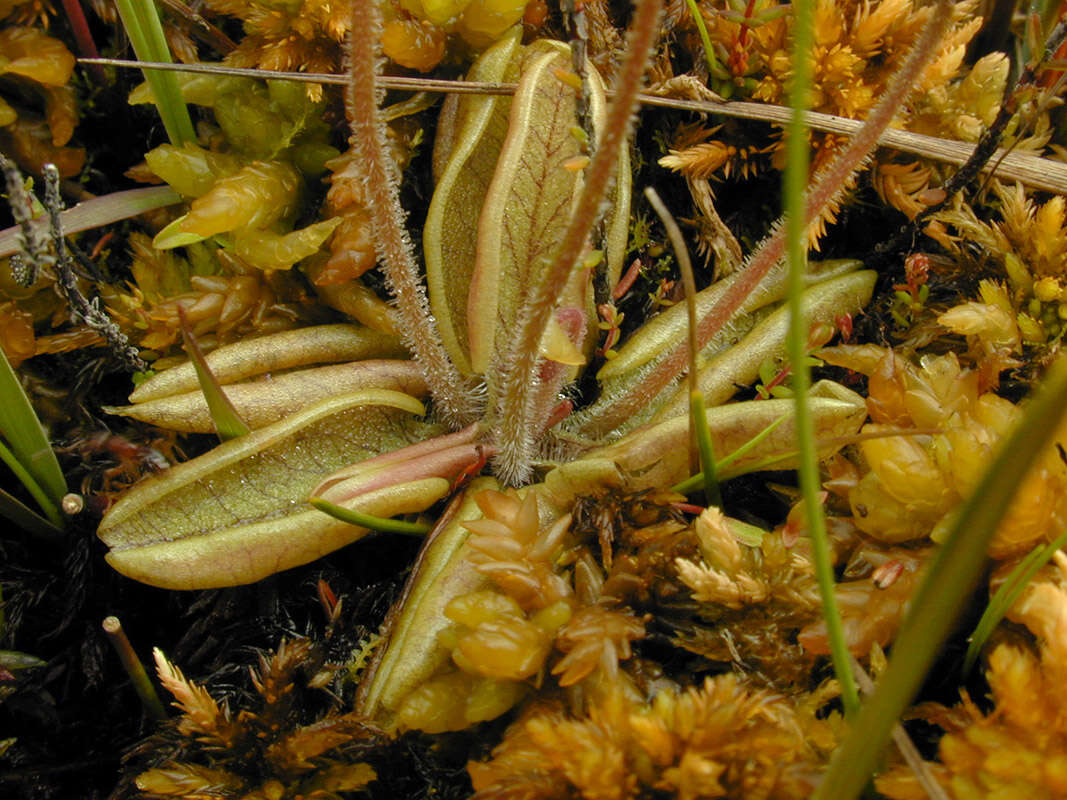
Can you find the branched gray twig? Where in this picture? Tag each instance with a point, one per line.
(39, 252)
(81, 308)
(33, 247)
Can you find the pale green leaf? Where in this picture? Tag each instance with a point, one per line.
(240, 513)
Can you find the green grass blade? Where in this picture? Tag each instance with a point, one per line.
(744, 449)
(29, 445)
(715, 69)
(228, 423)
(1006, 595)
(18, 513)
(693, 483)
(944, 590)
(383, 524)
(796, 180)
(26, 479)
(141, 21)
(699, 416)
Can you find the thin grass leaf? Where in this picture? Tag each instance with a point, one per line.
(1006, 595)
(29, 445)
(141, 21)
(796, 181)
(699, 415)
(778, 461)
(945, 589)
(14, 510)
(694, 482)
(228, 423)
(715, 69)
(27, 480)
(382, 524)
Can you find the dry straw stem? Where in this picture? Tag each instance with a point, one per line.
(1034, 171)
(134, 668)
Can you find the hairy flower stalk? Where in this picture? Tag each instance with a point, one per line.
(452, 401)
(517, 413)
(827, 187)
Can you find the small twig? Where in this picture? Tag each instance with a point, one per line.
(29, 238)
(134, 668)
(81, 308)
(385, 81)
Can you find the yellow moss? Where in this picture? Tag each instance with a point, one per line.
(1019, 749)
(915, 482)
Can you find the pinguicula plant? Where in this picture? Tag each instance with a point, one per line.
(558, 540)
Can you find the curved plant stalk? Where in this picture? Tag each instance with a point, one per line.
(697, 410)
(513, 410)
(944, 590)
(796, 177)
(369, 521)
(452, 400)
(694, 482)
(715, 69)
